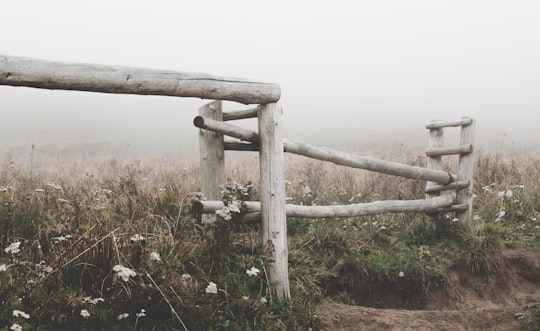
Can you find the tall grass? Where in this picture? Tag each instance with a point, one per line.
(111, 244)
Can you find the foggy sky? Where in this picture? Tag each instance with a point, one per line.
(359, 71)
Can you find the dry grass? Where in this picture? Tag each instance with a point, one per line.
(95, 199)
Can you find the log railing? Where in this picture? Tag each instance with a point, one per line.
(269, 142)
(272, 208)
(21, 71)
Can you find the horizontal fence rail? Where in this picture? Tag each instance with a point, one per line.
(22, 71)
(326, 154)
(335, 211)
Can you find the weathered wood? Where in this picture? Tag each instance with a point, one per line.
(241, 114)
(452, 186)
(21, 71)
(444, 124)
(212, 158)
(226, 129)
(451, 209)
(330, 155)
(436, 140)
(466, 172)
(240, 146)
(372, 208)
(337, 211)
(439, 151)
(274, 220)
(368, 163)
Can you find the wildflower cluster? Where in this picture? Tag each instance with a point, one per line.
(233, 195)
(13, 248)
(211, 288)
(124, 272)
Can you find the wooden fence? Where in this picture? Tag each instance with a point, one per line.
(273, 211)
(268, 141)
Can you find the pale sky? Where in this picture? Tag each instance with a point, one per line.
(358, 69)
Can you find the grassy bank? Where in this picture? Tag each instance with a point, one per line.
(112, 245)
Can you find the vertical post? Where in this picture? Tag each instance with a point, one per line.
(466, 172)
(436, 140)
(274, 220)
(212, 158)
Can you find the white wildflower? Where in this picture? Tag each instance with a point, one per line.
(307, 190)
(382, 227)
(13, 248)
(43, 268)
(505, 194)
(20, 313)
(154, 256)
(224, 213)
(500, 215)
(92, 301)
(235, 206)
(3, 267)
(401, 274)
(85, 313)
(122, 316)
(253, 271)
(124, 272)
(263, 300)
(16, 327)
(61, 238)
(142, 313)
(455, 219)
(55, 186)
(186, 279)
(40, 190)
(211, 288)
(137, 237)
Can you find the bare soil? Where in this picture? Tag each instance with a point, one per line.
(463, 302)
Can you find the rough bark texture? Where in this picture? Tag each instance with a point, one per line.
(333, 211)
(212, 158)
(21, 71)
(274, 220)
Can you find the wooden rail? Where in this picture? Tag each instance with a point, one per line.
(338, 211)
(326, 154)
(21, 71)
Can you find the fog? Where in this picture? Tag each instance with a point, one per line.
(354, 74)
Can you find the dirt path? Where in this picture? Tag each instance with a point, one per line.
(465, 303)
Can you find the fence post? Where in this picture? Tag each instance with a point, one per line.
(274, 220)
(466, 172)
(436, 140)
(212, 158)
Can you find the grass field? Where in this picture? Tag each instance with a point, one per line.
(110, 244)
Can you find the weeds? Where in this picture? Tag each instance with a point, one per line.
(114, 246)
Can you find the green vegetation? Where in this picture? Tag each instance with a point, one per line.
(117, 248)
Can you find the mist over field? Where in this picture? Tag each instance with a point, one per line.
(63, 124)
(357, 76)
